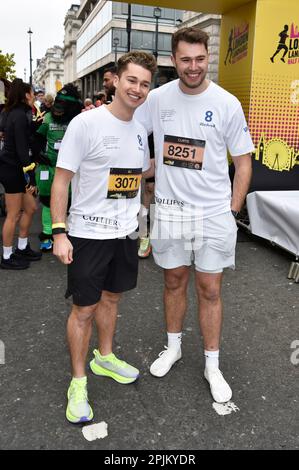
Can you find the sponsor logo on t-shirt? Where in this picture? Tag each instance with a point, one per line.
(208, 120)
(94, 220)
(169, 202)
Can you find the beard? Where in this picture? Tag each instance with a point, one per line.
(192, 85)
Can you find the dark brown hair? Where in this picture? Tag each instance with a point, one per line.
(17, 94)
(192, 35)
(145, 60)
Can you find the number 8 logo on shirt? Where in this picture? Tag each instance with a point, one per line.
(209, 115)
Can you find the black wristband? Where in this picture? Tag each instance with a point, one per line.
(56, 231)
(235, 214)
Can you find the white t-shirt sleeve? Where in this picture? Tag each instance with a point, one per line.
(237, 135)
(143, 115)
(74, 145)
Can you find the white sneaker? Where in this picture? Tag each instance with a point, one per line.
(220, 390)
(165, 361)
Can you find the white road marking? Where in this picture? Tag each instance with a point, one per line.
(225, 408)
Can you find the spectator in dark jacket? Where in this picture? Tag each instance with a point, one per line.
(17, 176)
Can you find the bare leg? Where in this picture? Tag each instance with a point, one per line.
(175, 297)
(147, 198)
(79, 329)
(13, 204)
(106, 316)
(29, 208)
(175, 304)
(149, 190)
(208, 287)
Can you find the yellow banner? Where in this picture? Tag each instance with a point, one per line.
(274, 108)
(236, 52)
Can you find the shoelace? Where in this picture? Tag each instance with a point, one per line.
(164, 351)
(78, 393)
(114, 360)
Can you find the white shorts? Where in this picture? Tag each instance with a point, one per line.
(211, 246)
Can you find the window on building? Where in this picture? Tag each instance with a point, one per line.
(145, 40)
(119, 8)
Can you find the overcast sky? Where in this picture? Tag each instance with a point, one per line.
(44, 17)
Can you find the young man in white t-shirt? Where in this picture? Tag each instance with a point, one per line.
(195, 122)
(104, 153)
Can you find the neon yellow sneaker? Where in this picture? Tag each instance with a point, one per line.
(144, 247)
(111, 366)
(78, 409)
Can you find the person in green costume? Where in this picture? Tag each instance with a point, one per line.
(66, 106)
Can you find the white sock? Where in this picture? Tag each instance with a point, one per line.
(212, 359)
(174, 340)
(22, 243)
(80, 379)
(7, 252)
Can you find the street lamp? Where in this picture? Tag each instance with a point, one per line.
(129, 25)
(157, 15)
(115, 44)
(30, 55)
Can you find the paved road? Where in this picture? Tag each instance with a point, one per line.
(176, 412)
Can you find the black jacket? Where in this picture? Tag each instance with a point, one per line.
(17, 132)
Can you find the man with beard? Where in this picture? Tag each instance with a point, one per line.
(108, 83)
(194, 122)
(67, 105)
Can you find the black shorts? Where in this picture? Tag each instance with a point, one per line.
(12, 178)
(99, 265)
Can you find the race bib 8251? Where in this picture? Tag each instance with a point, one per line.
(183, 152)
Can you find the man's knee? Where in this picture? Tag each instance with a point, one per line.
(176, 280)
(110, 297)
(83, 314)
(211, 293)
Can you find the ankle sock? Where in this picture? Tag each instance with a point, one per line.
(174, 340)
(7, 252)
(79, 379)
(22, 243)
(101, 356)
(212, 359)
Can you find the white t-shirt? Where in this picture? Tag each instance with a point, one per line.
(192, 134)
(108, 157)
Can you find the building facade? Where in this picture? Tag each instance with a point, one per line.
(104, 36)
(71, 27)
(97, 32)
(49, 73)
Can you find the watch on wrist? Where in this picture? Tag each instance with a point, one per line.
(235, 214)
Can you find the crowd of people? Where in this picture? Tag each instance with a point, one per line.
(103, 156)
(34, 142)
